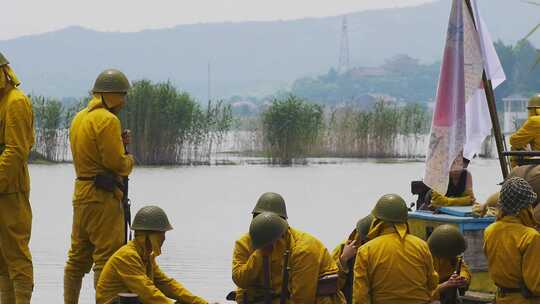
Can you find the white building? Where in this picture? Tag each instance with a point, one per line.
(514, 113)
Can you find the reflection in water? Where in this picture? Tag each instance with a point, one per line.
(209, 207)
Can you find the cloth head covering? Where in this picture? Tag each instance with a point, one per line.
(516, 194)
(12, 77)
(149, 254)
(378, 226)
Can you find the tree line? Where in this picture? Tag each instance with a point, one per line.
(407, 79)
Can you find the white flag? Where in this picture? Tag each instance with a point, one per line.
(478, 120)
(460, 78)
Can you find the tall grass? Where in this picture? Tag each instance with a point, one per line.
(291, 128)
(169, 127)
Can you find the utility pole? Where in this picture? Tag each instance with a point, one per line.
(209, 85)
(344, 55)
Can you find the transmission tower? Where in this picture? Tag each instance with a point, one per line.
(344, 55)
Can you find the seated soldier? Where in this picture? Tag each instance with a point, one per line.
(394, 266)
(133, 268)
(489, 208)
(460, 188)
(531, 174)
(345, 253)
(307, 264)
(512, 245)
(528, 136)
(447, 244)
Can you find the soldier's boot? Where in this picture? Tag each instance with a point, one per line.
(72, 289)
(23, 292)
(7, 294)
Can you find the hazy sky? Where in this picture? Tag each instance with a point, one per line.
(37, 16)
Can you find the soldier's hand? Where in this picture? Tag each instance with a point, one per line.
(126, 136)
(349, 251)
(457, 281)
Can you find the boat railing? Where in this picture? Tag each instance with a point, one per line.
(524, 157)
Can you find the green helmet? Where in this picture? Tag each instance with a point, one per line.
(271, 202)
(111, 81)
(446, 241)
(362, 227)
(534, 102)
(266, 228)
(151, 218)
(3, 60)
(391, 208)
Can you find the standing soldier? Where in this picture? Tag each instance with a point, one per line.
(345, 254)
(100, 160)
(447, 244)
(274, 263)
(16, 140)
(395, 266)
(512, 245)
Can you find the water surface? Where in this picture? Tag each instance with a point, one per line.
(210, 207)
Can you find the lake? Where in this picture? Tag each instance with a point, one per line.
(209, 208)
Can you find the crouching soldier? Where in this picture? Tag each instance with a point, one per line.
(394, 266)
(279, 264)
(345, 254)
(133, 268)
(447, 245)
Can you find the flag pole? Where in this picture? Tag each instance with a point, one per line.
(490, 96)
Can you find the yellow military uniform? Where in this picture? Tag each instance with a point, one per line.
(445, 268)
(16, 141)
(309, 260)
(394, 267)
(528, 134)
(128, 271)
(513, 251)
(98, 219)
(439, 200)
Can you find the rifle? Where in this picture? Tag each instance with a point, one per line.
(267, 287)
(454, 295)
(285, 278)
(126, 204)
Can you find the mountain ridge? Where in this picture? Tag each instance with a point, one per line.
(254, 57)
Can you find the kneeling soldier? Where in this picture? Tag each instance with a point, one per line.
(394, 266)
(133, 268)
(447, 245)
(345, 255)
(284, 265)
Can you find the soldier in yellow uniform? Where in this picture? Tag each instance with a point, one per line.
(528, 136)
(133, 268)
(16, 141)
(512, 246)
(531, 174)
(447, 244)
(460, 189)
(345, 253)
(394, 266)
(259, 257)
(100, 163)
(267, 202)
